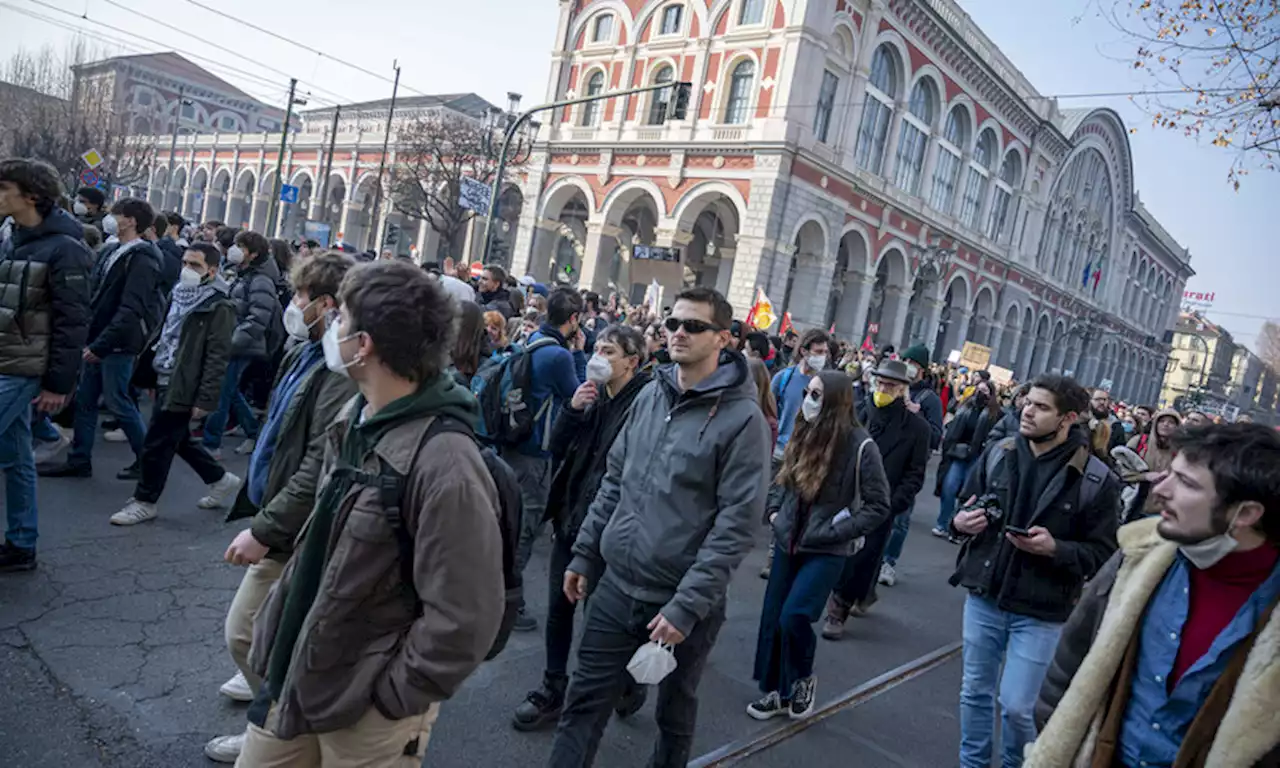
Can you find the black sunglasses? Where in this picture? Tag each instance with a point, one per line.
(691, 326)
(814, 394)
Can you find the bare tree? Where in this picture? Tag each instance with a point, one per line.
(1215, 68)
(1269, 345)
(434, 153)
(47, 112)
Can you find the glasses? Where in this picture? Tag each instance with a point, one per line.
(691, 326)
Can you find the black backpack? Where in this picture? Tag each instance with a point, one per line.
(504, 392)
(391, 486)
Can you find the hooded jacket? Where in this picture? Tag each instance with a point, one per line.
(1089, 657)
(200, 363)
(682, 494)
(44, 301)
(1148, 448)
(128, 303)
(258, 311)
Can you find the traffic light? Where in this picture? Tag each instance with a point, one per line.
(680, 104)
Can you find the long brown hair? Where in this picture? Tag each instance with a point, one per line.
(814, 445)
(768, 403)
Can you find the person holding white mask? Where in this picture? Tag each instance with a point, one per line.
(184, 361)
(580, 442)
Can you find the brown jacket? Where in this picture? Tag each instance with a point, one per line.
(363, 642)
(1091, 650)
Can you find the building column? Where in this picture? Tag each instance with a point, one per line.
(724, 271)
(349, 209)
(995, 334)
(851, 313)
(932, 316)
(898, 303)
(747, 256)
(599, 236)
(957, 331)
(1026, 349)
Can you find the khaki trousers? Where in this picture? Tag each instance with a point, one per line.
(252, 593)
(374, 742)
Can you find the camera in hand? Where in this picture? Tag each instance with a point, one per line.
(989, 503)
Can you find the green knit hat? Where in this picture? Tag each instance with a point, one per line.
(918, 354)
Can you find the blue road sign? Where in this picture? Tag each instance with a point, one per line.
(288, 193)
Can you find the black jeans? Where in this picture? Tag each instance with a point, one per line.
(559, 634)
(615, 630)
(862, 570)
(169, 434)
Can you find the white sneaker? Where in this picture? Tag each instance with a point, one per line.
(224, 749)
(46, 453)
(237, 689)
(246, 447)
(134, 512)
(220, 492)
(115, 436)
(888, 576)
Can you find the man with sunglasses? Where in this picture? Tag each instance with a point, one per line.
(684, 489)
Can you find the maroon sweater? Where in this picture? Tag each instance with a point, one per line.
(1217, 595)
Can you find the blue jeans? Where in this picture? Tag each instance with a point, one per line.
(18, 459)
(898, 539)
(42, 428)
(230, 399)
(951, 485)
(798, 588)
(108, 380)
(1025, 646)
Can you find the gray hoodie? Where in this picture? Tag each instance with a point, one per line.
(683, 492)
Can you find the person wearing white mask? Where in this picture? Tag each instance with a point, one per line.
(1185, 670)
(280, 489)
(580, 441)
(809, 359)
(88, 206)
(184, 361)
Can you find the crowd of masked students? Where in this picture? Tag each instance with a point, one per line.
(657, 446)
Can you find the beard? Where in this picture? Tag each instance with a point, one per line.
(1172, 530)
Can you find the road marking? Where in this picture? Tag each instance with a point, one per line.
(737, 751)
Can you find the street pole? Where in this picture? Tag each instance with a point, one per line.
(173, 148)
(284, 139)
(375, 246)
(676, 89)
(328, 169)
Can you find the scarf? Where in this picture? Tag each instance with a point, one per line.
(181, 303)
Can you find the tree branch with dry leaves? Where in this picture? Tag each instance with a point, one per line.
(1215, 70)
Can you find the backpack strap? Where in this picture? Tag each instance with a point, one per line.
(1095, 474)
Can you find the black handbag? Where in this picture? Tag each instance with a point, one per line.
(960, 452)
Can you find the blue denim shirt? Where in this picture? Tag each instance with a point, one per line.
(1156, 721)
(260, 462)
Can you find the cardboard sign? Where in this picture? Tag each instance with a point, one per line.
(975, 356)
(1001, 376)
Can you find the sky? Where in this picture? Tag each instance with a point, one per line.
(491, 47)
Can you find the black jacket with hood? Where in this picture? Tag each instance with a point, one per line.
(580, 442)
(258, 311)
(903, 439)
(128, 302)
(44, 301)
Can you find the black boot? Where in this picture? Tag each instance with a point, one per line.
(633, 696)
(133, 472)
(13, 559)
(541, 707)
(66, 470)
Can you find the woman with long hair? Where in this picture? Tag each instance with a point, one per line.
(830, 491)
(768, 403)
(472, 345)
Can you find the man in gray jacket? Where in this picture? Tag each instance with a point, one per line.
(684, 490)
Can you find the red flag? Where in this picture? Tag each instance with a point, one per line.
(832, 330)
(786, 324)
(867, 346)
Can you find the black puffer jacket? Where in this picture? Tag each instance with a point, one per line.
(171, 263)
(580, 442)
(820, 533)
(257, 310)
(128, 303)
(44, 301)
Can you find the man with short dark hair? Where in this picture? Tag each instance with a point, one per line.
(44, 268)
(682, 493)
(396, 638)
(185, 362)
(559, 367)
(788, 384)
(126, 308)
(1048, 522)
(171, 264)
(1186, 668)
(88, 206)
(493, 293)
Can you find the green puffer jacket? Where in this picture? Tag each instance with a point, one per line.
(294, 471)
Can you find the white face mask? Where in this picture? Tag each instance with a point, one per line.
(295, 322)
(333, 352)
(816, 362)
(189, 278)
(110, 226)
(599, 369)
(810, 409)
(1208, 553)
(913, 370)
(79, 208)
(235, 255)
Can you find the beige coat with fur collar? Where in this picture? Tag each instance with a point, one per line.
(1249, 735)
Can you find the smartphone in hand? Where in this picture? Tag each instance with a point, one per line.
(1016, 531)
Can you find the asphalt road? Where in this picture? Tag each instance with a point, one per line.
(112, 652)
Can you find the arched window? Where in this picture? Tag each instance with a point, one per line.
(947, 170)
(1009, 179)
(602, 28)
(661, 99)
(914, 138)
(877, 111)
(739, 101)
(1083, 192)
(591, 110)
(752, 12)
(671, 18)
(975, 186)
